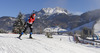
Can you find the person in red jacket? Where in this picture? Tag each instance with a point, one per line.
(28, 23)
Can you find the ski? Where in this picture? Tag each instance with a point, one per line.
(19, 38)
(31, 38)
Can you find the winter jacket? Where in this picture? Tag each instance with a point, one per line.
(30, 20)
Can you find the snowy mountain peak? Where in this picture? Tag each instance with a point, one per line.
(50, 11)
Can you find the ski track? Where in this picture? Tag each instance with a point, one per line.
(41, 44)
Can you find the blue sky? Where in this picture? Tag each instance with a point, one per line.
(13, 7)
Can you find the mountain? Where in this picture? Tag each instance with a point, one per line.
(6, 22)
(50, 11)
(52, 17)
(88, 25)
(90, 15)
(69, 21)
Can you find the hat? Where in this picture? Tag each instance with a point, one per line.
(33, 14)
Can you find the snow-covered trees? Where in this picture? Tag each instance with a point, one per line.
(2, 31)
(19, 24)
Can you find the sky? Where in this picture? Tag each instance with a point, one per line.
(13, 7)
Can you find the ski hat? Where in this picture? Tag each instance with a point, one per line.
(33, 14)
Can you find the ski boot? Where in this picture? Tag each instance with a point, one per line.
(30, 36)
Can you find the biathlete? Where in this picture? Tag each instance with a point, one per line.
(28, 23)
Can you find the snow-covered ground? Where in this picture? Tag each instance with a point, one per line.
(97, 28)
(41, 44)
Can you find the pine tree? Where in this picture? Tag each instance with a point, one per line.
(19, 23)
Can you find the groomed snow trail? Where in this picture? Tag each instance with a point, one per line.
(41, 44)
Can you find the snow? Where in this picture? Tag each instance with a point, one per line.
(97, 28)
(54, 29)
(41, 44)
(13, 19)
(89, 25)
(50, 11)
